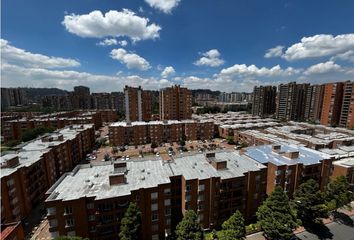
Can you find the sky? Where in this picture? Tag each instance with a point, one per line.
(227, 45)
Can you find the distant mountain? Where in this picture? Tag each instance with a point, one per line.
(35, 94)
(205, 91)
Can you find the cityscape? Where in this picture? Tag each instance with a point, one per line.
(193, 141)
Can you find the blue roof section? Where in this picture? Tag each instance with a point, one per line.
(264, 154)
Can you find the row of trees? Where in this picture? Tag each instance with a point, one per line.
(278, 216)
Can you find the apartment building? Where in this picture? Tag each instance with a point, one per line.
(214, 185)
(12, 231)
(137, 133)
(175, 103)
(344, 167)
(80, 97)
(263, 103)
(28, 172)
(291, 100)
(14, 129)
(347, 111)
(13, 97)
(314, 101)
(290, 165)
(138, 105)
(332, 103)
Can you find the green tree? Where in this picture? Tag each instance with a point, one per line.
(276, 217)
(338, 194)
(230, 140)
(233, 228)
(189, 228)
(107, 157)
(130, 224)
(309, 202)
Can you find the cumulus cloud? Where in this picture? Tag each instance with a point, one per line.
(165, 6)
(321, 45)
(168, 71)
(131, 60)
(15, 76)
(111, 24)
(321, 68)
(346, 56)
(22, 57)
(112, 41)
(252, 70)
(210, 58)
(274, 52)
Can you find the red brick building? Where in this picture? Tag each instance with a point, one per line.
(214, 185)
(138, 104)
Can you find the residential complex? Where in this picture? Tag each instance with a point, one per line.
(29, 171)
(263, 103)
(329, 104)
(12, 97)
(137, 104)
(91, 200)
(137, 133)
(14, 129)
(175, 103)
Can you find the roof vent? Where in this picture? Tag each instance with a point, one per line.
(97, 174)
(87, 180)
(142, 178)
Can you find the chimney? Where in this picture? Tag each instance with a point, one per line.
(292, 155)
(216, 163)
(117, 178)
(276, 148)
(120, 166)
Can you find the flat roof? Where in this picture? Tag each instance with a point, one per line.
(265, 154)
(345, 162)
(93, 180)
(168, 122)
(32, 151)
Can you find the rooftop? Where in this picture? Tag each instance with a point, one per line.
(265, 154)
(345, 162)
(93, 180)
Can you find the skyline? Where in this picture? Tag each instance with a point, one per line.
(106, 45)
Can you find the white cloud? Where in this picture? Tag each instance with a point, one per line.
(112, 41)
(165, 6)
(210, 58)
(168, 71)
(242, 70)
(22, 57)
(131, 60)
(113, 24)
(274, 52)
(346, 56)
(15, 76)
(322, 68)
(321, 45)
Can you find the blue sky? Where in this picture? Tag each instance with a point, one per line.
(223, 45)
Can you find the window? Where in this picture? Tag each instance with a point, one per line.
(167, 191)
(201, 197)
(68, 210)
(201, 217)
(188, 197)
(69, 222)
(188, 188)
(277, 172)
(53, 223)
(92, 218)
(168, 221)
(288, 172)
(201, 187)
(51, 211)
(155, 237)
(168, 211)
(155, 216)
(154, 195)
(154, 207)
(155, 227)
(167, 202)
(258, 178)
(90, 206)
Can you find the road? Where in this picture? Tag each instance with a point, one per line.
(337, 230)
(334, 230)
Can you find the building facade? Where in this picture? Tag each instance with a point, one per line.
(263, 103)
(214, 185)
(175, 103)
(137, 104)
(332, 103)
